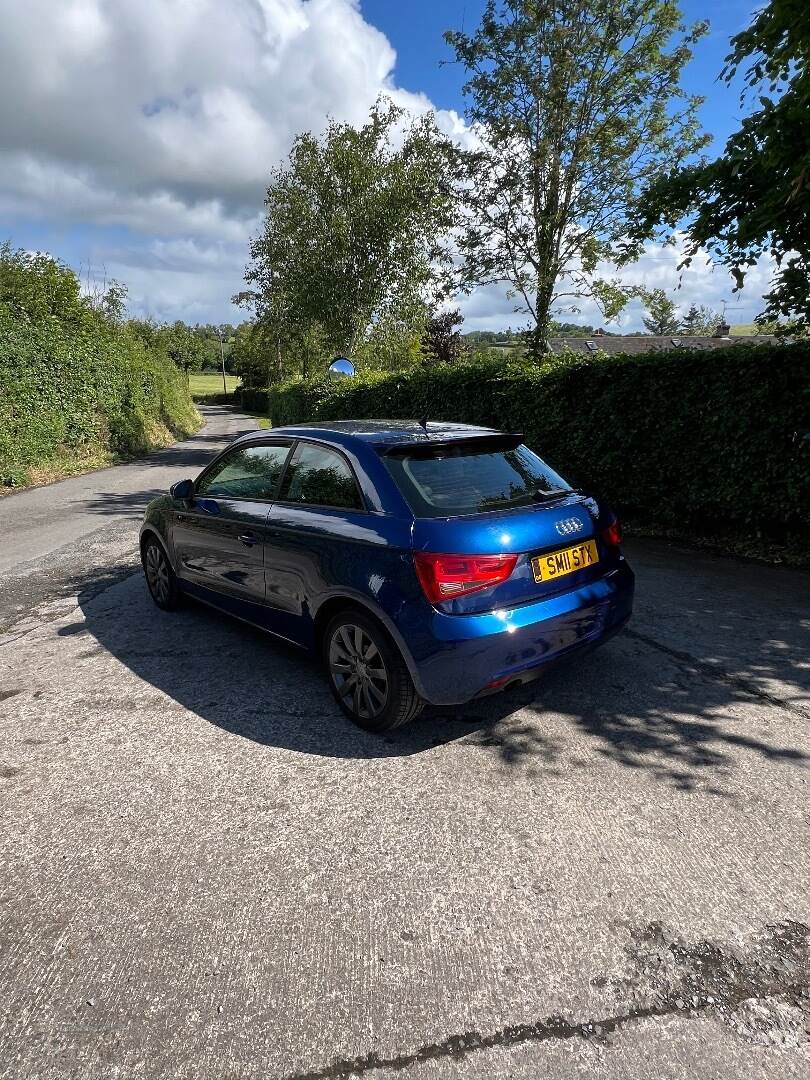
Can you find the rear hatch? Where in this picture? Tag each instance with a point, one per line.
(558, 548)
(485, 497)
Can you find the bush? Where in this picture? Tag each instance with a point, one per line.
(683, 439)
(222, 398)
(78, 385)
(80, 389)
(257, 401)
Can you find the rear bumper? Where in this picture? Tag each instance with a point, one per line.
(461, 656)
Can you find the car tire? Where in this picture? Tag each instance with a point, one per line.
(160, 578)
(382, 695)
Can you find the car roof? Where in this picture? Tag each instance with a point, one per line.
(383, 432)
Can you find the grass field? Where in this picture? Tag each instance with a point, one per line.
(212, 384)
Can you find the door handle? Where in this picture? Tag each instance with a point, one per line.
(249, 538)
(181, 517)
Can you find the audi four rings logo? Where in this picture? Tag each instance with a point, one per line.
(568, 526)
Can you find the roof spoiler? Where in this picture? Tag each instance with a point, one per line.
(427, 447)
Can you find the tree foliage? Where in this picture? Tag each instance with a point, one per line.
(577, 105)
(662, 318)
(353, 234)
(442, 342)
(217, 340)
(183, 346)
(700, 320)
(36, 286)
(755, 198)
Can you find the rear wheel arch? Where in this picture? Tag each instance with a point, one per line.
(367, 672)
(334, 605)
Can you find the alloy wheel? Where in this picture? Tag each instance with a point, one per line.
(157, 573)
(358, 671)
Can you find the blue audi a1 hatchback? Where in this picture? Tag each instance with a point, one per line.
(426, 563)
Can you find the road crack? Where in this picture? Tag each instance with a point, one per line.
(739, 682)
(666, 977)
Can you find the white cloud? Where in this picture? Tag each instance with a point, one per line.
(199, 98)
(165, 117)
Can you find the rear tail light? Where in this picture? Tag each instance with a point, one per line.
(612, 535)
(444, 577)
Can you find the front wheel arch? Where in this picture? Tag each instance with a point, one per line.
(167, 594)
(149, 532)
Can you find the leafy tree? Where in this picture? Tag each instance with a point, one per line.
(577, 104)
(250, 355)
(755, 197)
(442, 342)
(662, 317)
(484, 337)
(37, 286)
(353, 230)
(148, 332)
(569, 329)
(216, 339)
(700, 320)
(394, 342)
(183, 346)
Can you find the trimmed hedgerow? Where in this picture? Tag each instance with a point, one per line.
(252, 399)
(79, 390)
(683, 439)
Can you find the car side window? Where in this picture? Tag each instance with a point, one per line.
(320, 477)
(248, 472)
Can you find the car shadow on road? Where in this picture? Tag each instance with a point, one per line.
(624, 703)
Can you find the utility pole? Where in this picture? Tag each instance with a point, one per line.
(222, 356)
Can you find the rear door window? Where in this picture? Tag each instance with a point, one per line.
(455, 481)
(248, 472)
(318, 476)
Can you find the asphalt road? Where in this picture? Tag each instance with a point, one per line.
(206, 872)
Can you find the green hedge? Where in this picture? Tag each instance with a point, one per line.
(221, 398)
(71, 391)
(681, 439)
(257, 401)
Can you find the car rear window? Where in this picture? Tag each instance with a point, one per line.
(454, 481)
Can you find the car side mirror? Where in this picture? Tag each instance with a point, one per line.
(183, 489)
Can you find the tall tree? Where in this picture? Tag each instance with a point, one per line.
(662, 318)
(353, 229)
(755, 198)
(577, 105)
(700, 319)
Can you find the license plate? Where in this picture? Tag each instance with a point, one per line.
(565, 561)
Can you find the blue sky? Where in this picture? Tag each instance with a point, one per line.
(415, 28)
(136, 139)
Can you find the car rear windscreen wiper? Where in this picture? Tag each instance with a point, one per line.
(552, 496)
